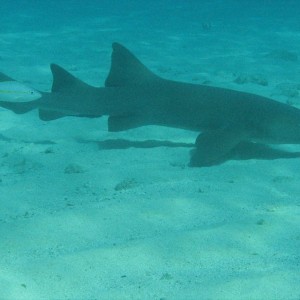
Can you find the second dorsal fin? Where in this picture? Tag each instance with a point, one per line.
(63, 80)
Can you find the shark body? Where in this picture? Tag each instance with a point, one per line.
(133, 96)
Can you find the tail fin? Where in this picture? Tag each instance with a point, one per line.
(126, 69)
(4, 77)
(17, 107)
(20, 107)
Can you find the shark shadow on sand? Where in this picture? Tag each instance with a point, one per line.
(244, 151)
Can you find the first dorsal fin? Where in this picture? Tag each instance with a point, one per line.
(126, 69)
(63, 80)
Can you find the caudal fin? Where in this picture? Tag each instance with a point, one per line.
(20, 107)
(17, 107)
(4, 77)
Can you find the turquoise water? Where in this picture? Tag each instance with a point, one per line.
(91, 214)
(48, 15)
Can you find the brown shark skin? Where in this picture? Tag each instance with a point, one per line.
(133, 96)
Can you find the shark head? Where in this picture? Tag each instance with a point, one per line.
(285, 129)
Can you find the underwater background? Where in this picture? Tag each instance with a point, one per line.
(85, 218)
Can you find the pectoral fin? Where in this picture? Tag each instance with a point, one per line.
(212, 147)
(20, 107)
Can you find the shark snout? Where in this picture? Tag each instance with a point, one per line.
(286, 132)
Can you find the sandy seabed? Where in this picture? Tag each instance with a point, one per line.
(80, 220)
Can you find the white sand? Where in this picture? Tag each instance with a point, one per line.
(79, 222)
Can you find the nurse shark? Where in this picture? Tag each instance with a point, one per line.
(134, 96)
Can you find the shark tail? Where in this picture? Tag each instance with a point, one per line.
(17, 107)
(4, 77)
(20, 107)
